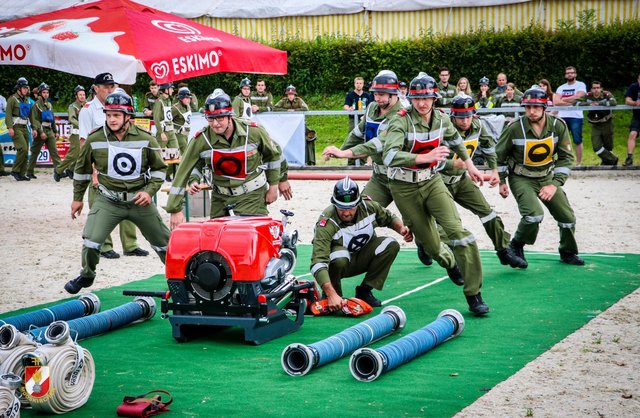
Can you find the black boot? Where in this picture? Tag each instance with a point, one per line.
(571, 258)
(507, 256)
(75, 285)
(455, 275)
(517, 248)
(363, 292)
(423, 256)
(477, 305)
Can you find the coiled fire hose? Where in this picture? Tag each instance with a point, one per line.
(13, 345)
(59, 376)
(9, 401)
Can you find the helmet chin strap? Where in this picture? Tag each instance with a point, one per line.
(122, 127)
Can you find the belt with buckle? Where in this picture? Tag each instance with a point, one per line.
(20, 121)
(521, 170)
(116, 196)
(380, 169)
(452, 179)
(410, 176)
(247, 187)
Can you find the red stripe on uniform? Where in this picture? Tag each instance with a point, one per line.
(215, 112)
(461, 109)
(423, 91)
(385, 86)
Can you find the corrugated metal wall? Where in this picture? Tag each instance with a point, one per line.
(403, 25)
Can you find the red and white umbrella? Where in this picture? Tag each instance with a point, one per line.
(125, 38)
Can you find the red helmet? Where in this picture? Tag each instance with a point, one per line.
(423, 86)
(462, 106)
(385, 82)
(535, 96)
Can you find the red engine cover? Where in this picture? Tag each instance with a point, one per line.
(246, 243)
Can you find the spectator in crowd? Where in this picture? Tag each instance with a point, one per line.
(546, 86)
(193, 103)
(535, 155)
(345, 244)
(462, 86)
(65, 169)
(121, 195)
(150, 98)
(484, 100)
(163, 120)
(501, 87)
(402, 94)
(17, 121)
(601, 122)
(509, 99)
(568, 94)
(446, 90)
(261, 99)
(356, 99)
(242, 102)
(632, 98)
(291, 103)
(92, 117)
(414, 144)
(34, 95)
(245, 164)
(43, 122)
(3, 104)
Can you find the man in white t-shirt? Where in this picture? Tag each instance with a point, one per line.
(567, 95)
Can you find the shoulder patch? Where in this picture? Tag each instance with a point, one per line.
(197, 134)
(86, 105)
(441, 110)
(254, 124)
(367, 197)
(402, 113)
(322, 222)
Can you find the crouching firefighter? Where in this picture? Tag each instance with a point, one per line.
(345, 244)
(130, 171)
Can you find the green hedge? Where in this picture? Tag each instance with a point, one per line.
(329, 64)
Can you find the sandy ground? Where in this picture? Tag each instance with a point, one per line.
(594, 372)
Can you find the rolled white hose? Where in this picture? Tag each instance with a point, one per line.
(13, 345)
(71, 373)
(9, 403)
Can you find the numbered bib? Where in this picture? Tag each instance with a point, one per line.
(168, 117)
(471, 144)
(246, 112)
(124, 163)
(355, 237)
(187, 120)
(422, 144)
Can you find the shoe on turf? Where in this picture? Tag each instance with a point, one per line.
(423, 256)
(477, 306)
(364, 293)
(507, 256)
(138, 252)
(109, 254)
(518, 250)
(455, 275)
(570, 258)
(75, 285)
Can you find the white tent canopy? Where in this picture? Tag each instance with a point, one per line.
(255, 9)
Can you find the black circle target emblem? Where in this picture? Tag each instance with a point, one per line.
(229, 166)
(358, 242)
(539, 153)
(124, 164)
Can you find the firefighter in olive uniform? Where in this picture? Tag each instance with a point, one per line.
(242, 102)
(261, 99)
(163, 120)
(345, 244)
(245, 164)
(363, 142)
(17, 120)
(181, 114)
(534, 153)
(150, 98)
(43, 122)
(415, 143)
(464, 192)
(130, 171)
(65, 169)
(601, 122)
(291, 103)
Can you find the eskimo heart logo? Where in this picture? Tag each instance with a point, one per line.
(160, 69)
(175, 27)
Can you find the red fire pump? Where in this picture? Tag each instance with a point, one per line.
(235, 271)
